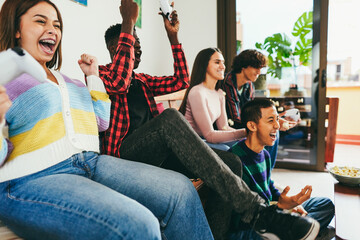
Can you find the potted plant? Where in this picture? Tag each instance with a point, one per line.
(281, 52)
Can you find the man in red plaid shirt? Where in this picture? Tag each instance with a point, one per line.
(132, 94)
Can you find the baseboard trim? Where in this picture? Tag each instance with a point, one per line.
(348, 139)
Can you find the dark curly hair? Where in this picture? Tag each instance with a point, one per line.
(112, 34)
(249, 57)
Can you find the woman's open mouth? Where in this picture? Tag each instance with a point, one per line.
(48, 45)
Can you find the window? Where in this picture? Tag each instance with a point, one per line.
(293, 35)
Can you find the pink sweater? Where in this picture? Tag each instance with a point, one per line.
(204, 107)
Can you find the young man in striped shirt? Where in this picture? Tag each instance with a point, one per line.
(262, 124)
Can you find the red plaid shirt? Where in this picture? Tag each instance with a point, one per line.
(234, 100)
(117, 78)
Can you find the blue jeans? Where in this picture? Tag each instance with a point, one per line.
(319, 208)
(100, 197)
(225, 146)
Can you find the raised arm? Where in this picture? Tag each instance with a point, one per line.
(168, 84)
(180, 79)
(99, 97)
(117, 75)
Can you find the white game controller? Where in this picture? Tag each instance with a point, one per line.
(16, 61)
(293, 113)
(166, 8)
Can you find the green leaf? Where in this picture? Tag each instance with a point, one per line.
(238, 45)
(258, 46)
(303, 25)
(279, 46)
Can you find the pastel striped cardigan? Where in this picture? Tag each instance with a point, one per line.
(48, 123)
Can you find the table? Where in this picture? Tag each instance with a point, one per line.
(347, 212)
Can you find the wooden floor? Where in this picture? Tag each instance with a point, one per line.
(322, 182)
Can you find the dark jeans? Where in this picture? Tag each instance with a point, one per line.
(218, 212)
(170, 134)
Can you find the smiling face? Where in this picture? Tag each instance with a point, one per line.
(251, 73)
(40, 32)
(264, 132)
(216, 67)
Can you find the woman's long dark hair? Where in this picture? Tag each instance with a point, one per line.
(198, 73)
(10, 16)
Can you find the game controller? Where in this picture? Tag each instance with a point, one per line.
(16, 61)
(293, 113)
(166, 8)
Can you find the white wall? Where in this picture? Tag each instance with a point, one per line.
(198, 30)
(84, 29)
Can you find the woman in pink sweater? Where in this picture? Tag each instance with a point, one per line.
(204, 101)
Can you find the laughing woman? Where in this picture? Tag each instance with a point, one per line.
(54, 184)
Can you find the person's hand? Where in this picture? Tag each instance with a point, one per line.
(89, 65)
(286, 124)
(289, 202)
(129, 11)
(300, 210)
(5, 103)
(172, 27)
(289, 118)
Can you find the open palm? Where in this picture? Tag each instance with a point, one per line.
(289, 202)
